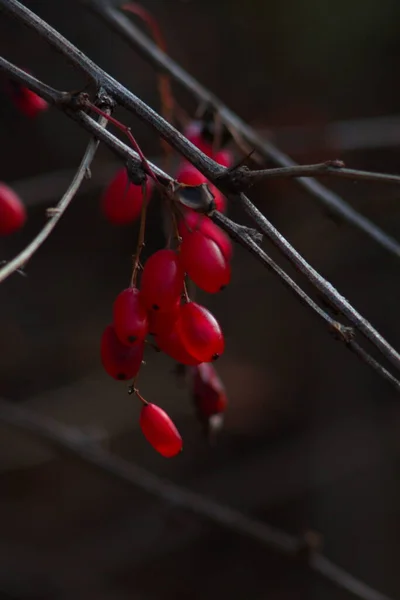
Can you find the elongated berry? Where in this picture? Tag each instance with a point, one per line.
(171, 343)
(12, 211)
(193, 221)
(162, 280)
(162, 322)
(160, 431)
(122, 200)
(200, 332)
(208, 390)
(204, 262)
(120, 361)
(130, 317)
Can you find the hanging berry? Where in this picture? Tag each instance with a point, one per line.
(12, 211)
(162, 280)
(193, 221)
(162, 322)
(160, 431)
(26, 101)
(130, 317)
(120, 361)
(122, 200)
(200, 332)
(204, 262)
(171, 343)
(208, 391)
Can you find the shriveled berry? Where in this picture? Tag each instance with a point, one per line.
(160, 431)
(208, 391)
(122, 200)
(12, 211)
(171, 343)
(200, 332)
(193, 221)
(162, 322)
(204, 262)
(130, 317)
(162, 280)
(120, 361)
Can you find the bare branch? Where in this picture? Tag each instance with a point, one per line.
(333, 168)
(75, 442)
(162, 62)
(21, 259)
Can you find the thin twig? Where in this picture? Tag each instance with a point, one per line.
(333, 168)
(22, 258)
(161, 61)
(76, 443)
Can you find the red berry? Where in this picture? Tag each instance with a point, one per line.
(122, 200)
(189, 175)
(130, 317)
(171, 343)
(193, 221)
(160, 431)
(12, 211)
(162, 280)
(120, 361)
(204, 262)
(200, 332)
(161, 323)
(224, 158)
(26, 101)
(208, 391)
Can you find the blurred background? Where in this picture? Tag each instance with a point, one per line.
(311, 434)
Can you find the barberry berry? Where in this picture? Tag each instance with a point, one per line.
(204, 262)
(12, 211)
(130, 317)
(120, 361)
(162, 280)
(160, 431)
(122, 200)
(200, 332)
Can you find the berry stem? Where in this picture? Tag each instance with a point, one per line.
(139, 395)
(141, 236)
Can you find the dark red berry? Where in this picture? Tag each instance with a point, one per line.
(120, 361)
(122, 200)
(12, 211)
(200, 332)
(160, 431)
(161, 322)
(189, 175)
(208, 391)
(193, 221)
(26, 101)
(171, 343)
(130, 317)
(162, 280)
(204, 262)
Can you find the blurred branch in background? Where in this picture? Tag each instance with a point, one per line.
(75, 442)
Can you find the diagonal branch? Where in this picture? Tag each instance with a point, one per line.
(74, 442)
(162, 62)
(327, 290)
(56, 213)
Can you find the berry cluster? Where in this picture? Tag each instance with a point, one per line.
(160, 306)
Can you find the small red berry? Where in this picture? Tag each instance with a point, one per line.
(160, 431)
(204, 262)
(189, 175)
(26, 101)
(171, 343)
(120, 361)
(130, 317)
(193, 221)
(12, 211)
(208, 391)
(224, 158)
(161, 323)
(200, 332)
(122, 200)
(162, 280)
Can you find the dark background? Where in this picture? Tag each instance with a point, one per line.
(311, 435)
